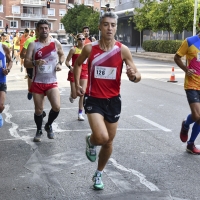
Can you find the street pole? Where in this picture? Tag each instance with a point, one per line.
(195, 16)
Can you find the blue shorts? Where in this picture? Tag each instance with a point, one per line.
(110, 108)
(193, 96)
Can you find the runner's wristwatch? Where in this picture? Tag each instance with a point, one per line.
(60, 63)
(33, 63)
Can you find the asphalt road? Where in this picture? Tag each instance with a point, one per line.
(149, 162)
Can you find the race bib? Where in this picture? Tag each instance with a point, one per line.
(44, 69)
(102, 72)
(198, 56)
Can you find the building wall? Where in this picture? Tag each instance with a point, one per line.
(26, 16)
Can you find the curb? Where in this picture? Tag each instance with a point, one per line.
(156, 56)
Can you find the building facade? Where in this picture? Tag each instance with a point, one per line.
(21, 14)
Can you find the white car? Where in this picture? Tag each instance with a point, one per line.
(63, 41)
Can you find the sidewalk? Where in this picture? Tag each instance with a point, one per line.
(153, 55)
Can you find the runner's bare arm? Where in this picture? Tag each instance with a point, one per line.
(8, 60)
(61, 56)
(60, 51)
(69, 56)
(23, 53)
(132, 71)
(28, 61)
(78, 66)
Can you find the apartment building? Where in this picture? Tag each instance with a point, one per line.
(126, 32)
(21, 14)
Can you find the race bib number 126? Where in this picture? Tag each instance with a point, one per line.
(102, 72)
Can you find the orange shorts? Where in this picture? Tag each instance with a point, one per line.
(84, 75)
(42, 88)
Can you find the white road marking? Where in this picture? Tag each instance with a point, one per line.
(13, 130)
(153, 123)
(142, 177)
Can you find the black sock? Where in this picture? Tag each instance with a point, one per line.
(52, 116)
(38, 120)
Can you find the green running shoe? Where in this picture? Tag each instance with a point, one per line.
(90, 150)
(98, 184)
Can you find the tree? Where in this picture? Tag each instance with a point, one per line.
(159, 16)
(182, 15)
(140, 17)
(167, 15)
(80, 16)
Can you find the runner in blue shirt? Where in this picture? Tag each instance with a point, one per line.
(5, 66)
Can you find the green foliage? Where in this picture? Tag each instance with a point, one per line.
(140, 17)
(181, 9)
(167, 15)
(162, 46)
(80, 16)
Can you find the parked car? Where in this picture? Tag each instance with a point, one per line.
(63, 41)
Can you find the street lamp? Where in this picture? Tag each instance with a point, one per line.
(195, 16)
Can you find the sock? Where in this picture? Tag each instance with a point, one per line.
(91, 143)
(38, 120)
(52, 116)
(80, 111)
(195, 132)
(99, 172)
(188, 121)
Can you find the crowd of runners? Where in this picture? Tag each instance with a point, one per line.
(95, 69)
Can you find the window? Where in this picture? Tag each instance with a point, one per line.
(35, 24)
(1, 8)
(27, 24)
(15, 9)
(1, 23)
(61, 27)
(62, 1)
(62, 12)
(51, 25)
(14, 24)
(53, 1)
(51, 12)
(78, 2)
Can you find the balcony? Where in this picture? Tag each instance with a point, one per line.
(33, 2)
(33, 16)
(88, 2)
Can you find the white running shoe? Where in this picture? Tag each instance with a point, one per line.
(80, 117)
(71, 99)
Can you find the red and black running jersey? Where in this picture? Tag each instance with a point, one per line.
(105, 68)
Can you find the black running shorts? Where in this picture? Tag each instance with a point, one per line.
(3, 87)
(193, 96)
(29, 72)
(110, 108)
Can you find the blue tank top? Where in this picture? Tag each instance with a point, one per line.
(2, 64)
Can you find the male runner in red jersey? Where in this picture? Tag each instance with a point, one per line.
(102, 101)
(45, 55)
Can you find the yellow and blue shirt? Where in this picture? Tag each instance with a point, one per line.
(191, 49)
